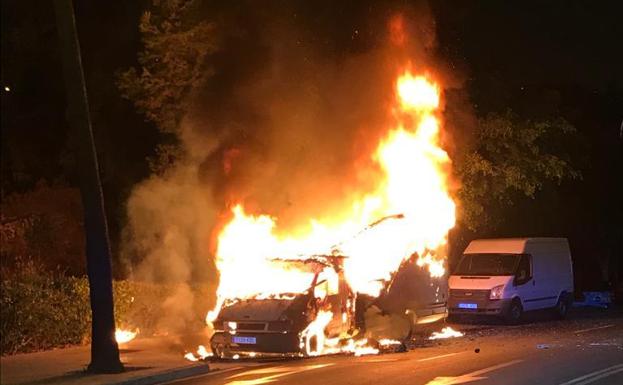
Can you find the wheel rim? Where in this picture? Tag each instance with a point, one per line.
(516, 312)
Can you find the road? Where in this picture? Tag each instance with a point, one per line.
(585, 349)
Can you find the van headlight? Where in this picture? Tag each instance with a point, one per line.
(496, 292)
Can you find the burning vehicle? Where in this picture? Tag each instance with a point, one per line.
(329, 316)
(347, 282)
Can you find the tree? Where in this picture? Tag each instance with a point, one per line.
(510, 156)
(171, 65)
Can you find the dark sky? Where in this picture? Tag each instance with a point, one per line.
(539, 58)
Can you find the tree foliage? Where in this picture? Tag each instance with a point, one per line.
(172, 63)
(510, 157)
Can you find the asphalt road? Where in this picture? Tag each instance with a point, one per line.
(585, 349)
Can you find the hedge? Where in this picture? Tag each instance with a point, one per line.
(41, 309)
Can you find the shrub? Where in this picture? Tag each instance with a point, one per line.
(42, 309)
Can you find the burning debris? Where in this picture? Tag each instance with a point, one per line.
(446, 332)
(202, 354)
(292, 293)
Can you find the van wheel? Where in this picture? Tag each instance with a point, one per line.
(562, 307)
(514, 312)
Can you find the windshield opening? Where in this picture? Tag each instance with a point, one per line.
(488, 264)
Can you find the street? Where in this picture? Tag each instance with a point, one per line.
(585, 349)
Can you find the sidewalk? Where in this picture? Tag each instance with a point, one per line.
(147, 361)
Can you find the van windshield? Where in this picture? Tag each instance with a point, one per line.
(488, 264)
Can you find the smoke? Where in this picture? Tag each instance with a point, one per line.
(286, 126)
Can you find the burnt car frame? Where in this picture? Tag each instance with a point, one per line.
(274, 326)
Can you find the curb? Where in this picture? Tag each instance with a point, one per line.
(167, 376)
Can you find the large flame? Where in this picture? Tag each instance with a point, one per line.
(411, 193)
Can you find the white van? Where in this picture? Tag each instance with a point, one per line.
(506, 277)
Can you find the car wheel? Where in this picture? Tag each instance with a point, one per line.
(514, 312)
(562, 307)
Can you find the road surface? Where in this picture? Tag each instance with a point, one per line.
(586, 349)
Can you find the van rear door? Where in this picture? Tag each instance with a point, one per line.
(545, 274)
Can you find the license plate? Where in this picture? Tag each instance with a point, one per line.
(468, 306)
(244, 340)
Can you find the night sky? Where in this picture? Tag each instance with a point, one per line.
(539, 58)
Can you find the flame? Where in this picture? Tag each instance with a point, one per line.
(191, 357)
(446, 332)
(360, 348)
(417, 93)
(313, 337)
(123, 336)
(388, 342)
(315, 343)
(411, 195)
(202, 354)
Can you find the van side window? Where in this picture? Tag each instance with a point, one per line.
(523, 274)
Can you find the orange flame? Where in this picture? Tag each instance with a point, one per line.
(124, 336)
(446, 332)
(202, 354)
(412, 193)
(417, 93)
